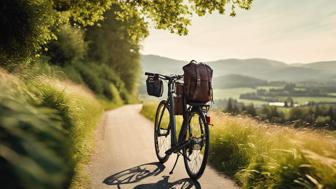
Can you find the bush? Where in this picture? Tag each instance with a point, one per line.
(90, 78)
(114, 95)
(73, 74)
(108, 74)
(69, 47)
(24, 28)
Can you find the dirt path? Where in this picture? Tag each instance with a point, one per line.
(125, 157)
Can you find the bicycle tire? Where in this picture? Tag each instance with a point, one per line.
(160, 152)
(205, 146)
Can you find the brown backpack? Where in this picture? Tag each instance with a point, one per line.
(197, 82)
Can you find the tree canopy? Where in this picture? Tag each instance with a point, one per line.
(27, 25)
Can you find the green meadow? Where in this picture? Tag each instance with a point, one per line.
(235, 92)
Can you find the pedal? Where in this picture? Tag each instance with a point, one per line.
(171, 172)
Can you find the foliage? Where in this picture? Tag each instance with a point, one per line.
(111, 38)
(91, 78)
(102, 80)
(257, 155)
(175, 15)
(69, 47)
(25, 27)
(312, 115)
(288, 91)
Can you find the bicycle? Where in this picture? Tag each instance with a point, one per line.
(193, 140)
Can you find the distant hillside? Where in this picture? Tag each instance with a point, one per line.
(153, 63)
(234, 80)
(251, 67)
(323, 65)
(262, 69)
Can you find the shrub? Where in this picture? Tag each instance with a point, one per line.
(24, 28)
(108, 74)
(73, 74)
(69, 47)
(91, 78)
(115, 96)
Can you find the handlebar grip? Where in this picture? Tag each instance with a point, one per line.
(148, 73)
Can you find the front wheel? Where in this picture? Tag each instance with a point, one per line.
(196, 155)
(162, 134)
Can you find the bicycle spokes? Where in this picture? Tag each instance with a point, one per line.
(195, 162)
(163, 144)
(162, 135)
(196, 151)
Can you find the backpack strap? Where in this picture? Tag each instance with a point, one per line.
(198, 81)
(209, 80)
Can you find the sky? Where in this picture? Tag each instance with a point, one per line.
(293, 31)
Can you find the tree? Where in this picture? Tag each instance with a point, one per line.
(250, 110)
(229, 106)
(26, 26)
(112, 44)
(290, 87)
(69, 47)
(175, 15)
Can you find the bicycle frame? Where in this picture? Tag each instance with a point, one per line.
(176, 144)
(187, 141)
(172, 123)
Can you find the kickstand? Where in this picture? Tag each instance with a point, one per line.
(171, 172)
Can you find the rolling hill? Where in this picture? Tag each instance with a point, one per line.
(235, 80)
(262, 69)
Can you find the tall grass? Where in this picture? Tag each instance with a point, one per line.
(56, 120)
(259, 155)
(34, 148)
(80, 111)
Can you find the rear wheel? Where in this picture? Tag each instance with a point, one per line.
(196, 155)
(162, 134)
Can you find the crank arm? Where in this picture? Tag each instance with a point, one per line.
(178, 148)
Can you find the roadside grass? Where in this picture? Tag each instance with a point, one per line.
(47, 128)
(259, 155)
(80, 111)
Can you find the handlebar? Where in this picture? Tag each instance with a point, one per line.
(165, 77)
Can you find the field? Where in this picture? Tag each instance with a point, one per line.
(235, 92)
(258, 155)
(332, 94)
(302, 100)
